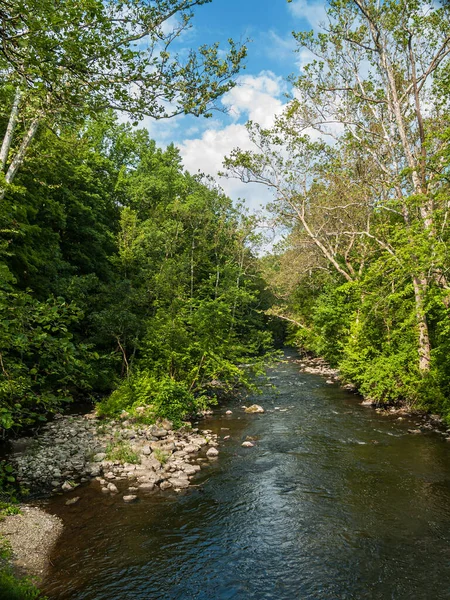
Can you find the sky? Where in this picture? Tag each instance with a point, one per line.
(261, 89)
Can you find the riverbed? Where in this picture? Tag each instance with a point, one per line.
(334, 501)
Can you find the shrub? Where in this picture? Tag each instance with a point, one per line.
(163, 398)
(17, 589)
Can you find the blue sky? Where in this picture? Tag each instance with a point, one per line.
(261, 86)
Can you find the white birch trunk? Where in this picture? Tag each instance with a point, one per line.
(18, 159)
(7, 140)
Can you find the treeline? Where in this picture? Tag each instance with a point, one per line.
(359, 166)
(118, 270)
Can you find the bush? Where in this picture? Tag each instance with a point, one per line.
(163, 398)
(17, 589)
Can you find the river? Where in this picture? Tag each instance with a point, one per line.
(334, 502)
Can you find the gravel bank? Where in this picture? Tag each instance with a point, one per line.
(31, 535)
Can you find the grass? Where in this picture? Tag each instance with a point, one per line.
(160, 456)
(122, 451)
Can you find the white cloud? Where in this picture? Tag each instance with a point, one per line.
(206, 154)
(257, 98)
(309, 10)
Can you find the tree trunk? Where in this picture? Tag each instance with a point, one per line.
(424, 347)
(20, 155)
(7, 140)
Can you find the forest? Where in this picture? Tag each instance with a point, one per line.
(120, 272)
(123, 274)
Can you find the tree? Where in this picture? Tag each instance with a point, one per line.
(373, 89)
(65, 59)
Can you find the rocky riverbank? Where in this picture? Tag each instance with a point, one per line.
(119, 455)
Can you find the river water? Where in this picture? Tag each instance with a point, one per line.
(334, 502)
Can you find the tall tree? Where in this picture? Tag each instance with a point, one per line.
(63, 59)
(372, 88)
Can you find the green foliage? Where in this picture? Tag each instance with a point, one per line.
(119, 270)
(13, 588)
(155, 398)
(40, 364)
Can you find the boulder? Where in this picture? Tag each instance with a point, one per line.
(254, 409)
(146, 486)
(72, 501)
(178, 483)
(130, 498)
(247, 444)
(212, 453)
(99, 457)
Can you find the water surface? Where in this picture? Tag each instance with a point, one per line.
(333, 502)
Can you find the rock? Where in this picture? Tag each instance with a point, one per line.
(148, 487)
(254, 409)
(247, 444)
(226, 437)
(146, 450)
(66, 486)
(110, 475)
(130, 498)
(414, 431)
(229, 412)
(113, 488)
(191, 448)
(157, 432)
(367, 402)
(166, 424)
(178, 483)
(190, 469)
(165, 485)
(212, 453)
(329, 381)
(99, 457)
(350, 387)
(95, 470)
(105, 490)
(72, 501)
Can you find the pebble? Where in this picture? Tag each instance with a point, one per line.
(247, 444)
(212, 453)
(72, 501)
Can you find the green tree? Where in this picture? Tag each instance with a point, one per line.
(65, 59)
